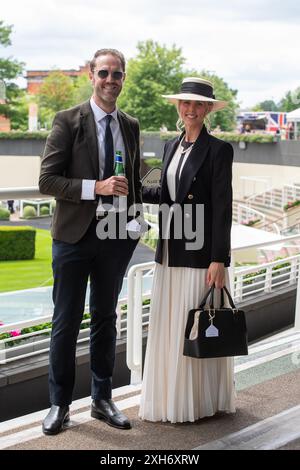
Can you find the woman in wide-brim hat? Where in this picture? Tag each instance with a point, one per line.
(196, 183)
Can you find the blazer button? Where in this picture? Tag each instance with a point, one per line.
(194, 179)
(190, 196)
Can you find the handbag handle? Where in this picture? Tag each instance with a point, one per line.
(211, 304)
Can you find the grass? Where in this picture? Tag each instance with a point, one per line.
(26, 274)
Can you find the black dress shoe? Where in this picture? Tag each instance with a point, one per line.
(55, 419)
(107, 411)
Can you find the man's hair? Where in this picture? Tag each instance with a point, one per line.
(113, 52)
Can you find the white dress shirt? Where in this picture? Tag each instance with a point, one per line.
(88, 186)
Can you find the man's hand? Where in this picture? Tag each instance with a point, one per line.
(113, 186)
(216, 275)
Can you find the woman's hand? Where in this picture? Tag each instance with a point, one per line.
(216, 275)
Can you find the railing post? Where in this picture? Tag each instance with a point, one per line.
(268, 279)
(134, 326)
(297, 309)
(293, 272)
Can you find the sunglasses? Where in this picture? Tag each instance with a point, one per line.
(116, 75)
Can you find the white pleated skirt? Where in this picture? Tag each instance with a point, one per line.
(177, 388)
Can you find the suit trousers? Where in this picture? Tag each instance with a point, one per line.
(105, 263)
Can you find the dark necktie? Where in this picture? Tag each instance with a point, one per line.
(109, 149)
(109, 156)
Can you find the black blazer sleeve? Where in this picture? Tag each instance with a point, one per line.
(221, 203)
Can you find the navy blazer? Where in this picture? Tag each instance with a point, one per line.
(206, 181)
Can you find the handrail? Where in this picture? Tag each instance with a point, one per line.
(31, 192)
(247, 209)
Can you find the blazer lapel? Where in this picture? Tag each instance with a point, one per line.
(193, 164)
(128, 139)
(90, 132)
(171, 149)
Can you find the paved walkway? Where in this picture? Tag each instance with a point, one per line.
(267, 416)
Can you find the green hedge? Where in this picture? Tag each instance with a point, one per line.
(4, 214)
(17, 243)
(16, 135)
(227, 136)
(29, 212)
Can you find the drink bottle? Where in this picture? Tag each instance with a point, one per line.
(119, 202)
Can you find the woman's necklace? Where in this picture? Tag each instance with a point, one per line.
(186, 145)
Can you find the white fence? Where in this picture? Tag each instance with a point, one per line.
(276, 198)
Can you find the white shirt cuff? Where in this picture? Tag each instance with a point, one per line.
(88, 190)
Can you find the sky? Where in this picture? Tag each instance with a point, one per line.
(254, 46)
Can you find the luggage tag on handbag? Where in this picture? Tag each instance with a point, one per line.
(211, 331)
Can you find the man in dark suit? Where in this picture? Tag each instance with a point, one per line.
(77, 168)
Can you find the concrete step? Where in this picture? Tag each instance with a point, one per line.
(269, 434)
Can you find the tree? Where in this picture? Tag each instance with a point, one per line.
(155, 71)
(83, 89)
(290, 101)
(158, 71)
(267, 105)
(10, 69)
(56, 93)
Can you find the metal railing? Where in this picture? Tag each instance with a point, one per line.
(20, 344)
(276, 197)
(245, 214)
(133, 315)
(246, 283)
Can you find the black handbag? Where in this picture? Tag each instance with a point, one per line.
(215, 332)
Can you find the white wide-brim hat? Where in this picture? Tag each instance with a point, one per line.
(197, 89)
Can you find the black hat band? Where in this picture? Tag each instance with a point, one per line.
(198, 89)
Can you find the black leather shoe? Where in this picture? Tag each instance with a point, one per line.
(55, 419)
(107, 411)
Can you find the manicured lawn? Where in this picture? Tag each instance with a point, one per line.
(16, 275)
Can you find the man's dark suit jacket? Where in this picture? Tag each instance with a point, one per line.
(205, 179)
(71, 155)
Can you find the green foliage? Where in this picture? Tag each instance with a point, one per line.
(17, 243)
(254, 138)
(291, 204)
(10, 69)
(290, 101)
(56, 93)
(4, 214)
(82, 89)
(155, 71)
(158, 71)
(30, 273)
(154, 162)
(228, 136)
(267, 105)
(18, 135)
(29, 212)
(150, 238)
(44, 210)
(19, 110)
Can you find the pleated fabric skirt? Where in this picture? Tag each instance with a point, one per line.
(177, 388)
